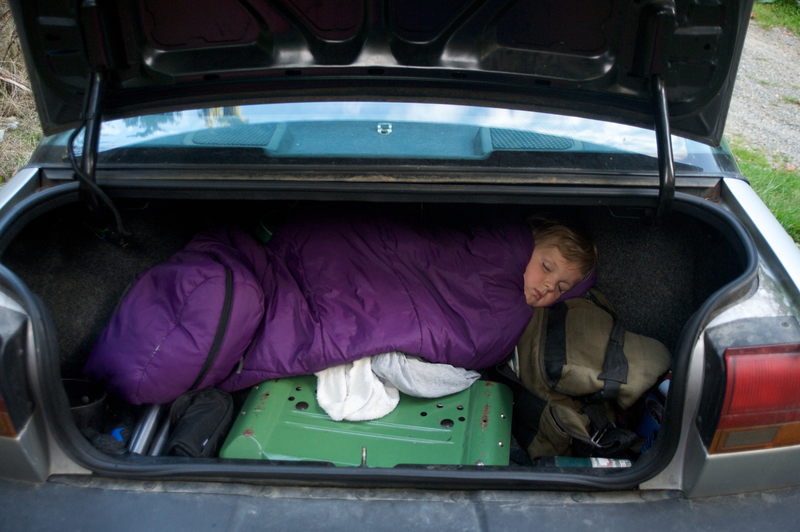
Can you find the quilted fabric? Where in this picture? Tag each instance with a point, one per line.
(328, 288)
(158, 340)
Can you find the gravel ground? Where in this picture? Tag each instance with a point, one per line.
(765, 109)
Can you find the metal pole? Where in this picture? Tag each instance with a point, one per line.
(161, 438)
(144, 435)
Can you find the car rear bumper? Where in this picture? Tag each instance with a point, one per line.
(86, 503)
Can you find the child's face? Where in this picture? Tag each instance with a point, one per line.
(548, 275)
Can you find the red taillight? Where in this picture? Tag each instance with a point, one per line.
(6, 427)
(762, 399)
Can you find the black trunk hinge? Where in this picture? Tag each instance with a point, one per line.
(97, 202)
(92, 117)
(656, 26)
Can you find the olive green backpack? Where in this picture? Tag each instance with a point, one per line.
(579, 368)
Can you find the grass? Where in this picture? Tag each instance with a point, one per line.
(781, 13)
(778, 186)
(18, 118)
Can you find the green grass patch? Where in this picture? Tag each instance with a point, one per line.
(778, 187)
(781, 13)
(790, 99)
(18, 117)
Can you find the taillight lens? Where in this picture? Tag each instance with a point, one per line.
(762, 399)
(6, 427)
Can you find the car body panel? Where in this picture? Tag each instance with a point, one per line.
(773, 242)
(694, 471)
(778, 294)
(23, 184)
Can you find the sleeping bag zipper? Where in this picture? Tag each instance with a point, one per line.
(222, 326)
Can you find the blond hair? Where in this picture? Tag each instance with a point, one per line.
(575, 245)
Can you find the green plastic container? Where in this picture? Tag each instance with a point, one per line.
(281, 420)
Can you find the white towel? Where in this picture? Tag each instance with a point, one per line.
(353, 392)
(368, 388)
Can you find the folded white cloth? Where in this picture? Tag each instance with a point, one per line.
(368, 388)
(353, 392)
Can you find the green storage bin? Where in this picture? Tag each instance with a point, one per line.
(281, 420)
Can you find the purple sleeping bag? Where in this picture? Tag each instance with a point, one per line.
(343, 286)
(327, 289)
(183, 324)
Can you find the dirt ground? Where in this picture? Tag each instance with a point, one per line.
(765, 109)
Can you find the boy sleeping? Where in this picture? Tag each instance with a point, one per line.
(329, 289)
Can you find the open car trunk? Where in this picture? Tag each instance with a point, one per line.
(664, 282)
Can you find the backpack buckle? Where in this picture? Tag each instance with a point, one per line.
(600, 433)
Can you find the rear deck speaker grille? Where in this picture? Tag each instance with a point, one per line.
(239, 135)
(510, 139)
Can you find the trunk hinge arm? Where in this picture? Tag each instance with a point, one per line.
(98, 203)
(656, 26)
(666, 165)
(96, 35)
(91, 138)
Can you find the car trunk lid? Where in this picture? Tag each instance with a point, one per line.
(582, 58)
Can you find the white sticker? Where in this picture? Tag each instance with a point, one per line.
(610, 462)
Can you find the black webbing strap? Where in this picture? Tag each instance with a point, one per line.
(528, 408)
(615, 364)
(555, 343)
(607, 440)
(222, 327)
(597, 415)
(615, 368)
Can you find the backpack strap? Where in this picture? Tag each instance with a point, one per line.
(608, 440)
(615, 368)
(615, 364)
(528, 408)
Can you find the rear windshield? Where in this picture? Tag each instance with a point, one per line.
(335, 133)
